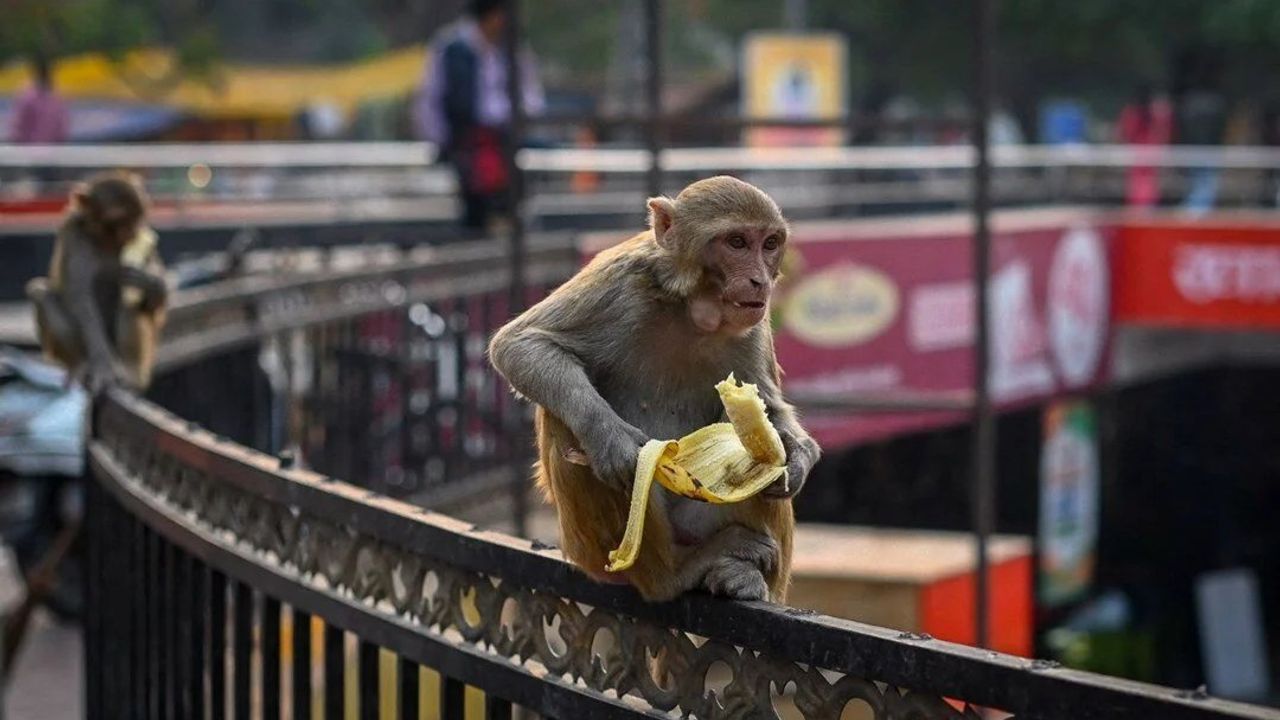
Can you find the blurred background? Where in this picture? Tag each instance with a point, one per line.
(1135, 275)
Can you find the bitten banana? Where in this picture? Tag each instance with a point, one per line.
(720, 463)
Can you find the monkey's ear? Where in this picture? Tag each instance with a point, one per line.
(662, 214)
(80, 199)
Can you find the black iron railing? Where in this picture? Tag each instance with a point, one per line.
(226, 581)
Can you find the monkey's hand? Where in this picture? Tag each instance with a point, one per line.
(802, 455)
(154, 290)
(612, 451)
(101, 373)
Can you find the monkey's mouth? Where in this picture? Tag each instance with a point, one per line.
(748, 304)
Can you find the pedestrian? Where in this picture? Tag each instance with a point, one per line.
(1146, 121)
(40, 116)
(1202, 121)
(463, 106)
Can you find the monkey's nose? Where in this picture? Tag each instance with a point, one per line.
(757, 282)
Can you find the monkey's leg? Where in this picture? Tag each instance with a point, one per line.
(136, 337)
(775, 518)
(733, 549)
(57, 330)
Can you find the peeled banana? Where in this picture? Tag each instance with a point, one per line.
(720, 463)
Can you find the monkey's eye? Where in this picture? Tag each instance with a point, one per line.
(737, 242)
(772, 242)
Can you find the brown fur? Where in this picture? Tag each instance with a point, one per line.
(592, 518)
(596, 357)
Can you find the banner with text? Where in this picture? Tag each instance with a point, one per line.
(882, 313)
(1206, 274)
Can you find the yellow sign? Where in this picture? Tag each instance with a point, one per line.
(840, 306)
(256, 91)
(794, 76)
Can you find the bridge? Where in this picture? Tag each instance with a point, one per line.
(244, 563)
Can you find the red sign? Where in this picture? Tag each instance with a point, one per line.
(1199, 274)
(885, 307)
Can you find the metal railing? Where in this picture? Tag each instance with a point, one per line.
(200, 184)
(225, 581)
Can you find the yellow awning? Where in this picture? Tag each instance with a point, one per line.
(235, 90)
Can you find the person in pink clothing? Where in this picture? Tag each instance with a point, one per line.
(40, 116)
(1145, 121)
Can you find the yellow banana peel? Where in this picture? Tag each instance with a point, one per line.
(720, 463)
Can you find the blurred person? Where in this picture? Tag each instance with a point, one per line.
(40, 116)
(1202, 120)
(1269, 136)
(1146, 121)
(464, 109)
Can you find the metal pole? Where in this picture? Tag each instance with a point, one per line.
(653, 90)
(797, 14)
(982, 453)
(516, 298)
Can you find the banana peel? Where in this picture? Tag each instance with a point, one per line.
(720, 463)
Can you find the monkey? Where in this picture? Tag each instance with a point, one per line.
(629, 349)
(100, 310)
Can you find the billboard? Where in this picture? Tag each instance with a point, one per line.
(794, 76)
(1069, 478)
(883, 307)
(1209, 274)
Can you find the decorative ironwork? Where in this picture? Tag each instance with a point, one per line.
(608, 652)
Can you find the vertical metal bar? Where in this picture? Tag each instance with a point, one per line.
(370, 689)
(515, 94)
(334, 675)
(198, 606)
(217, 645)
(982, 453)
(181, 621)
(654, 128)
(155, 667)
(242, 649)
(115, 695)
(92, 546)
(270, 650)
(408, 694)
(301, 665)
(796, 14)
(453, 698)
(137, 614)
(495, 708)
(169, 629)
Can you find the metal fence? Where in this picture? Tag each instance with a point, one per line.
(195, 185)
(226, 581)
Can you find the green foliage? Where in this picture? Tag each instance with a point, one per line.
(112, 27)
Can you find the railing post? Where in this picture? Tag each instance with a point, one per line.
(654, 130)
(515, 94)
(982, 452)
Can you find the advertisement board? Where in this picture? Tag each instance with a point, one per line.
(884, 307)
(794, 76)
(1069, 478)
(1210, 274)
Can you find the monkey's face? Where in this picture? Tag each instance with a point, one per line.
(741, 266)
(118, 227)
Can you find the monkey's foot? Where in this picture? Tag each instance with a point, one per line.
(737, 580)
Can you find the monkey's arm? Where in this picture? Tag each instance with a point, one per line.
(802, 450)
(544, 355)
(81, 270)
(155, 293)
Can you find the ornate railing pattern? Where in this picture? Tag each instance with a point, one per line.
(209, 562)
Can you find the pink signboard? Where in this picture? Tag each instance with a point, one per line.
(878, 307)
